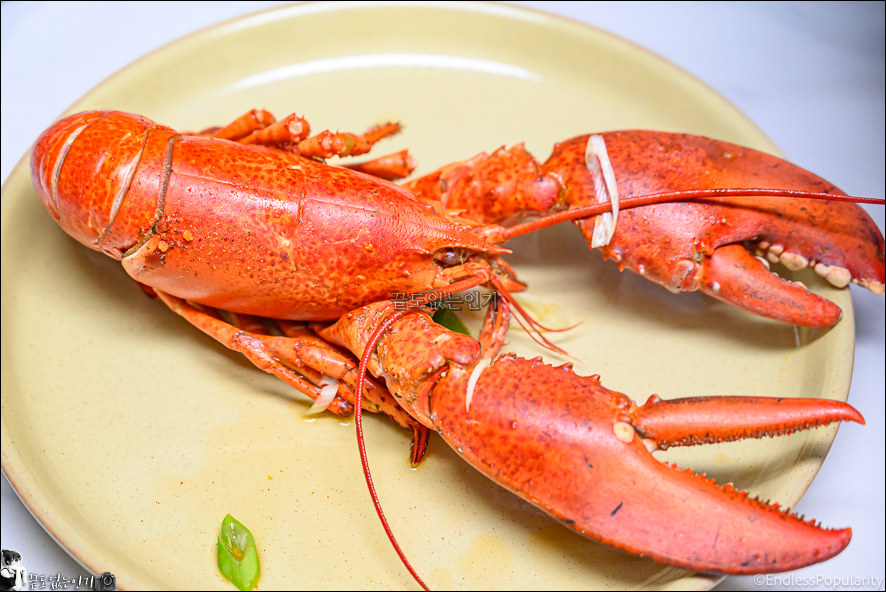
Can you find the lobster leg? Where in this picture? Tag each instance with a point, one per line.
(292, 135)
(302, 346)
(258, 328)
(251, 347)
(389, 167)
(583, 454)
(241, 127)
(327, 144)
(284, 134)
(301, 360)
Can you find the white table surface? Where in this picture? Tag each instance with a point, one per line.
(811, 75)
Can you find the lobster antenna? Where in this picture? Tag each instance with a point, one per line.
(535, 328)
(626, 203)
(480, 277)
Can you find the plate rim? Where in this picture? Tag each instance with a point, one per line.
(19, 479)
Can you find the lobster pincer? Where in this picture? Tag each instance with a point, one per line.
(735, 219)
(582, 452)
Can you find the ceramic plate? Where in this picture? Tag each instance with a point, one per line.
(130, 435)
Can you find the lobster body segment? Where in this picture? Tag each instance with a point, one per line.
(248, 229)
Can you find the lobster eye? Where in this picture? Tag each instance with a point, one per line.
(449, 256)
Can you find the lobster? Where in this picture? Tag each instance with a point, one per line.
(250, 236)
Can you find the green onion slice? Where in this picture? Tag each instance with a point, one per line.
(450, 320)
(237, 557)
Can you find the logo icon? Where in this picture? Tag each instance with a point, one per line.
(12, 573)
(106, 581)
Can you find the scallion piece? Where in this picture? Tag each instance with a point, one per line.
(237, 556)
(450, 320)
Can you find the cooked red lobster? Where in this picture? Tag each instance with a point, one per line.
(249, 235)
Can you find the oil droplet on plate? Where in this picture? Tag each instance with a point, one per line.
(489, 561)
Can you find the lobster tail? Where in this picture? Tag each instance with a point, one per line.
(49, 153)
(100, 175)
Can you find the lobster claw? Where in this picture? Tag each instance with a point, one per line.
(582, 453)
(700, 245)
(690, 245)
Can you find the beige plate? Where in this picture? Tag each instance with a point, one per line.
(130, 435)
